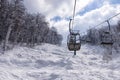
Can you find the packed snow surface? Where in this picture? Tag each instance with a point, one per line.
(50, 62)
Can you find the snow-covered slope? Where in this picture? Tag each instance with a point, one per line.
(49, 62)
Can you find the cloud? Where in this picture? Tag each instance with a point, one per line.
(52, 8)
(96, 16)
(58, 12)
(62, 26)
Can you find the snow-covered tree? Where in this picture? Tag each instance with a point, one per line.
(18, 14)
(18, 26)
(53, 37)
(3, 17)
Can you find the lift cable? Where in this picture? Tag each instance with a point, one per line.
(105, 21)
(108, 19)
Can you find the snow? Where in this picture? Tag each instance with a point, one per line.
(50, 62)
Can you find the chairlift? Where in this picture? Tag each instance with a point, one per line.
(88, 40)
(73, 39)
(106, 36)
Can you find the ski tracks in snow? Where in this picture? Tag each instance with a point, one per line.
(49, 62)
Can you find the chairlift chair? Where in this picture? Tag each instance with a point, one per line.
(73, 39)
(88, 40)
(106, 38)
(74, 42)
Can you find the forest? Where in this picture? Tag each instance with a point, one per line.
(17, 26)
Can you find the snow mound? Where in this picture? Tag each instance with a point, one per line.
(50, 62)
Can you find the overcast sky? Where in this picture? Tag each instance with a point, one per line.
(88, 12)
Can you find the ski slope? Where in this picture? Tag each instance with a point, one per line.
(50, 62)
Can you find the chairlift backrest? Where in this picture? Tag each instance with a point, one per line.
(74, 42)
(106, 38)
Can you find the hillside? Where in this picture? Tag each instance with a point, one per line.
(49, 62)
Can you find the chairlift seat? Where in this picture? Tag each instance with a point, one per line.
(74, 47)
(75, 32)
(107, 43)
(106, 38)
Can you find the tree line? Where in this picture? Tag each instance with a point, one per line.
(19, 26)
(93, 35)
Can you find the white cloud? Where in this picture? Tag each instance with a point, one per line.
(51, 8)
(64, 8)
(92, 18)
(62, 26)
(96, 16)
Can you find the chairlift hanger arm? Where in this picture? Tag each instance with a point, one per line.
(70, 26)
(108, 24)
(74, 9)
(71, 23)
